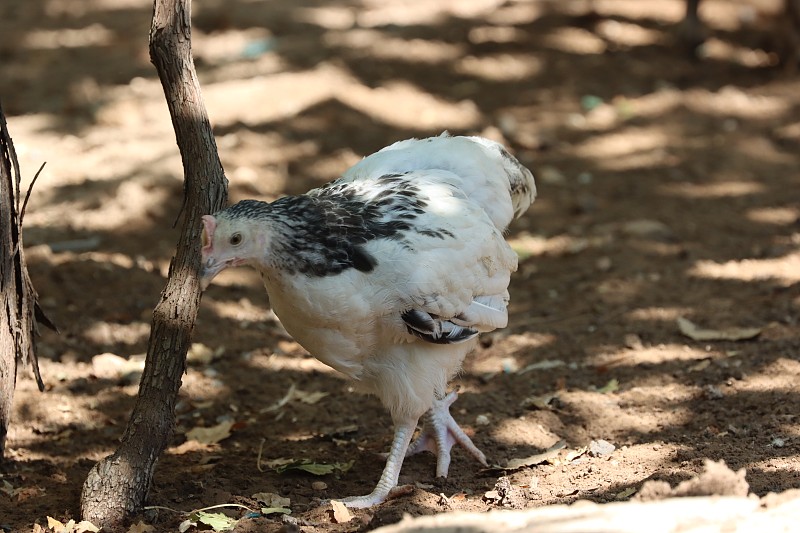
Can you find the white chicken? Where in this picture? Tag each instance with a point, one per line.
(388, 274)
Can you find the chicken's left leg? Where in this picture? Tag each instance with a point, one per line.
(391, 472)
(440, 433)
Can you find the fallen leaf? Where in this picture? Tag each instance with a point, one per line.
(573, 454)
(54, 524)
(307, 465)
(341, 513)
(537, 459)
(547, 364)
(611, 386)
(651, 229)
(274, 510)
(270, 499)
(539, 402)
(309, 397)
(141, 527)
(186, 525)
(702, 365)
(85, 526)
(210, 435)
(280, 403)
(8, 488)
(217, 521)
(695, 332)
(24, 493)
(630, 491)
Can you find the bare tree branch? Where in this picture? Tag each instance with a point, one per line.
(117, 486)
(18, 299)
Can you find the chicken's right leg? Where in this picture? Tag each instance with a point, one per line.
(391, 472)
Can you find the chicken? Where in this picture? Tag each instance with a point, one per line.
(389, 274)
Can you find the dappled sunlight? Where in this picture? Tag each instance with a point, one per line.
(775, 216)
(539, 431)
(664, 12)
(783, 269)
(496, 34)
(732, 101)
(378, 45)
(730, 188)
(505, 67)
(742, 55)
(94, 35)
(411, 12)
(575, 41)
(508, 354)
(660, 314)
(419, 108)
(242, 310)
(629, 142)
(114, 333)
(670, 406)
(650, 355)
(627, 34)
(529, 245)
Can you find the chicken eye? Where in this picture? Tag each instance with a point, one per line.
(236, 239)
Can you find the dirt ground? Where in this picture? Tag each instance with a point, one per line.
(668, 188)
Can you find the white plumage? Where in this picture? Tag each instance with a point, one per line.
(389, 274)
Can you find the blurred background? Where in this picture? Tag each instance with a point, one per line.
(666, 155)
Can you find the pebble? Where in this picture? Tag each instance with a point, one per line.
(319, 485)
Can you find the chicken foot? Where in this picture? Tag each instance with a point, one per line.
(440, 433)
(391, 472)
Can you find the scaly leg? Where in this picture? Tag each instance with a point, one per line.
(391, 472)
(440, 433)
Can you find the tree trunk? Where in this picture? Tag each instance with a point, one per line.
(17, 297)
(117, 486)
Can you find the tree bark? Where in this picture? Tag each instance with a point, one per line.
(17, 296)
(117, 486)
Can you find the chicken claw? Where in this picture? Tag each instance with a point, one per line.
(440, 433)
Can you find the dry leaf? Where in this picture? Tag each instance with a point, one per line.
(537, 459)
(695, 332)
(702, 365)
(611, 386)
(341, 513)
(539, 402)
(547, 364)
(280, 403)
(83, 526)
(270, 499)
(54, 524)
(309, 397)
(210, 435)
(141, 527)
(630, 491)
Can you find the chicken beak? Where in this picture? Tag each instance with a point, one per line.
(208, 271)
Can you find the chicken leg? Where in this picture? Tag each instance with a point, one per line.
(391, 472)
(440, 433)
